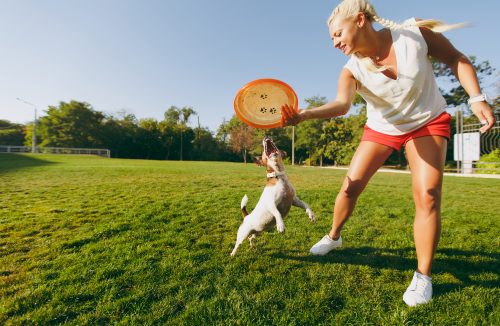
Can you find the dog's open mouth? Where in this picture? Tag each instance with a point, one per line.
(269, 147)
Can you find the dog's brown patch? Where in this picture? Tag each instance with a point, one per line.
(271, 182)
(286, 202)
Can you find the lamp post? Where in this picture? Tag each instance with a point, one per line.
(33, 142)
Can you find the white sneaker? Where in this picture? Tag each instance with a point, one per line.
(325, 245)
(419, 291)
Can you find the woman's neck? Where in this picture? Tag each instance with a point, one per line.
(378, 44)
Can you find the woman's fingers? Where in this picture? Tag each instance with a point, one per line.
(289, 111)
(284, 116)
(485, 115)
(288, 115)
(489, 121)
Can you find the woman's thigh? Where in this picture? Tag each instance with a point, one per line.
(426, 156)
(367, 159)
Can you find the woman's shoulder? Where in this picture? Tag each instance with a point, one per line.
(411, 30)
(408, 26)
(355, 67)
(353, 64)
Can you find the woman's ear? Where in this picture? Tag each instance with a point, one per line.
(361, 19)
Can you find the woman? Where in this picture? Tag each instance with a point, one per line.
(390, 69)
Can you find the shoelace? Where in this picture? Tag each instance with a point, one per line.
(420, 285)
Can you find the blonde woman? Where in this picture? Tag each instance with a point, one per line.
(390, 69)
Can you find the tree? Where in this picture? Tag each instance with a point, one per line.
(172, 115)
(222, 138)
(207, 148)
(149, 136)
(341, 137)
(73, 124)
(186, 113)
(223, 131)
(242, 139)
(309, 132)
(455, 94)
(180, 117)
(11, 133)
(120, 135)
(334, 139)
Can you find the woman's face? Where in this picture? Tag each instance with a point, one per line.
(345, 34)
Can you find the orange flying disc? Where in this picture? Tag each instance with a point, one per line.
(258, 103)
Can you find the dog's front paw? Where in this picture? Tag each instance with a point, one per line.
(280, 227)
(311, 215)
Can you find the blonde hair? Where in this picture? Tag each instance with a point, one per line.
(350, 8)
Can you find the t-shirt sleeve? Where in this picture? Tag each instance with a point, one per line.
(351, 65)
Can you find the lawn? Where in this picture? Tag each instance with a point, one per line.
(88, 240)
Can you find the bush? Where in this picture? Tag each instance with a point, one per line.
(493, 165)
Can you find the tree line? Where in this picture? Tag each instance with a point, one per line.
(317, 142)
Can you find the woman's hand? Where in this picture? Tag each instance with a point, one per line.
(485, 115)
(290, 117)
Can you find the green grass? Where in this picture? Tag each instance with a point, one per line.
(86, 240)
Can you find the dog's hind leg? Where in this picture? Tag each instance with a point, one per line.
(299, 203)
(243, 233)
(251, 238)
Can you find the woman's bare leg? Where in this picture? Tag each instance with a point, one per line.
(366, 161)
(426, 156)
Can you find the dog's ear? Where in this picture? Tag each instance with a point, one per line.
(258, 160)
(283, 154)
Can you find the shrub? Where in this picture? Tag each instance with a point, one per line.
(489, 163)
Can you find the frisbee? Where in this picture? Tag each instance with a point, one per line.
(258, 103)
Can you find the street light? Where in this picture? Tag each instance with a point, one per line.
(33, 142)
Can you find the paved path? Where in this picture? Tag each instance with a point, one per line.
(487, 176)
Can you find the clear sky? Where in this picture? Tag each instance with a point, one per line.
(145, 56)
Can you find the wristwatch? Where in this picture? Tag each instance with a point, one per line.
(477, 98)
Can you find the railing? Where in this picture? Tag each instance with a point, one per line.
(57, 150)
(482, 167)
(470, 145)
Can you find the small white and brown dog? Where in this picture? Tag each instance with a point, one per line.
(276, 199)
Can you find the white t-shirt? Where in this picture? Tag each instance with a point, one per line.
(400, 106)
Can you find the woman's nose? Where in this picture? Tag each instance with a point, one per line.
(336, 42)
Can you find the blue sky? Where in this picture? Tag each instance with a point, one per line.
(144, 56)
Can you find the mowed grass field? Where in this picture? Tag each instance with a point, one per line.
(88, 240)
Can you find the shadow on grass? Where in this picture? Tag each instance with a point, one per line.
(467, 266)
(11, 162)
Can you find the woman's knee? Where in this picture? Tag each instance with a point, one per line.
(351, 189)
(428, 198)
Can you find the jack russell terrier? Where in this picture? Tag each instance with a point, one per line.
(276, 199)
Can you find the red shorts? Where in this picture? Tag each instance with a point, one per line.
(439, 126)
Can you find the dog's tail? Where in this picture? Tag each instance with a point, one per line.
(244, 202)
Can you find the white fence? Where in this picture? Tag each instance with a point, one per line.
(470, 145)
(57, 150)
